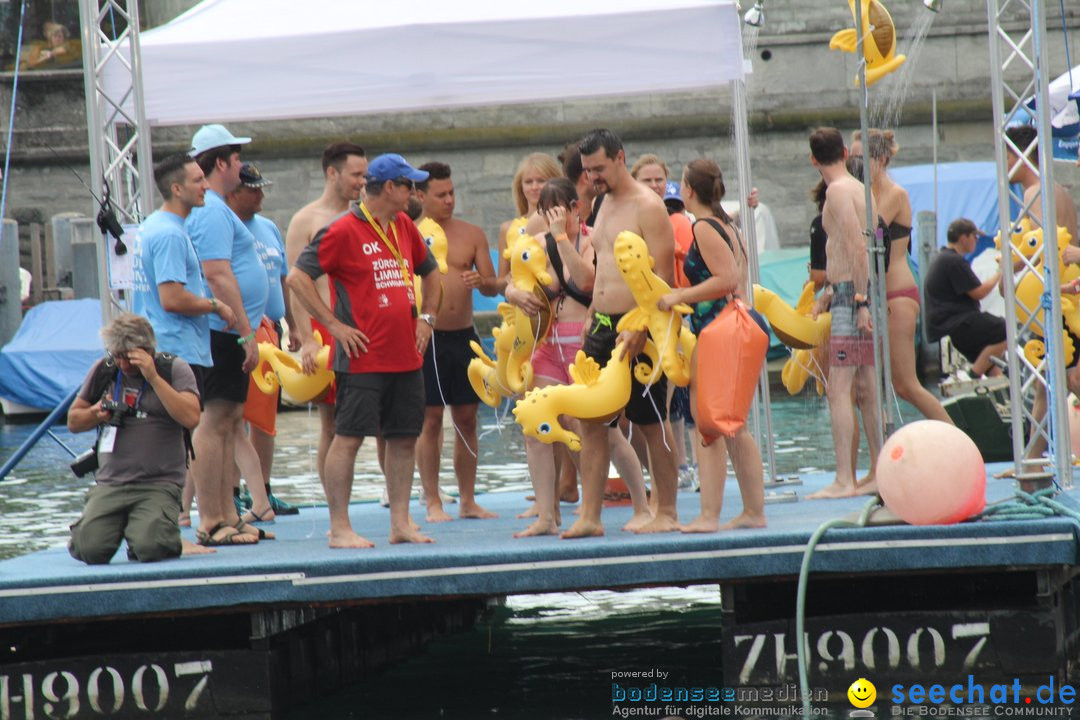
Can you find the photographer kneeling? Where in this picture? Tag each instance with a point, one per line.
(143, 406)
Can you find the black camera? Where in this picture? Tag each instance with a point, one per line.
(119, 411)
(86, 462)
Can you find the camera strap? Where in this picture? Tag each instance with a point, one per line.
(118, 388)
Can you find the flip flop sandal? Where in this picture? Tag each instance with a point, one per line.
(258, 518)
(211, 538)
(249, 529)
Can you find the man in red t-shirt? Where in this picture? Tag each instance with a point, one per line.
(370, 255)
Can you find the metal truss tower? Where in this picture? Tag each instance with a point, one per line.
(1019, 70)
(119, 137)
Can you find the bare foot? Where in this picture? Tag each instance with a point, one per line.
(409, 535)
(533, 511)
(638, 521)
(348, 539)
(866, 486)
(437, 514)
(659, 524)
(185, 519)
(583, 528)
(569, 494)
(473, 511)
(702, 524)
(189, 548)
(413, 524)
(744, 521)
(835, 490)
(540, 527)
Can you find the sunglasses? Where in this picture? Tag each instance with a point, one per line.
(405, 182)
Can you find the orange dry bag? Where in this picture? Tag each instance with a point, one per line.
(261, 409)
(730, 352)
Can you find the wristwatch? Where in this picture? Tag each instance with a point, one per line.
(428, 318)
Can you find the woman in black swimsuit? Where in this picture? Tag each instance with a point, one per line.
(716, 266)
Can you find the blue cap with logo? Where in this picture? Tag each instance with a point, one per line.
(209, 137)
(671, 194)
(392, 166)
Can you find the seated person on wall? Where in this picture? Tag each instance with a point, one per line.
(952, 295)
(142, 404)
(57, 49)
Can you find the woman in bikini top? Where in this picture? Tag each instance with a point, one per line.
(901, 290)
(532, 172)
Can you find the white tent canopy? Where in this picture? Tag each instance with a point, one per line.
(230, 60)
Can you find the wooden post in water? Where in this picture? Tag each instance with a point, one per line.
(37, 264)
(10, 285)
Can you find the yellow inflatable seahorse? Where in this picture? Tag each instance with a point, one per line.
(791, 326)
(1029, 292)
(511, 371)
(804, 362)
(595, 394)
(435, 239)
(674, 344)
(879, 41)
(1023, 245)
(287, 372)
(516, 229)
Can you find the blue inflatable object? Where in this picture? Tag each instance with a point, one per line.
(51, 353)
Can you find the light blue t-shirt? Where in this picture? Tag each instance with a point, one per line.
(218, 234)
(271, 249)
(164, 253)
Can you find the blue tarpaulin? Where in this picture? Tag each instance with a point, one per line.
(964, 190)
(51, 353)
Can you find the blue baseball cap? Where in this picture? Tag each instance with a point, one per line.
(392, 166)
(671, 193)
(209, 137)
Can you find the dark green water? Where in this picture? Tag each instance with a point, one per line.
(547, 657)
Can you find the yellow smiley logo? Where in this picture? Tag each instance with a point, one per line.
(862, 693)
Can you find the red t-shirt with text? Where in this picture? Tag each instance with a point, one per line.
(368, 288)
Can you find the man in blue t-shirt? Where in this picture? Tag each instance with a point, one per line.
(246, 201)
(168, 278)
(235, 276)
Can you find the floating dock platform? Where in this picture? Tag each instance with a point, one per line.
(248, 630)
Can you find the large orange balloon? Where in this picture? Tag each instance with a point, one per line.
(931, 473)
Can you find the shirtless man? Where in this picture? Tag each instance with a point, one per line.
(851, 345)
(628, 205)
(447, 358)
(1024, 136)
(344, 167)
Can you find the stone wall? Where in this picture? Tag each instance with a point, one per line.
(797, 84)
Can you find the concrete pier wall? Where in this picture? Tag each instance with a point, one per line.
(797, 84)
